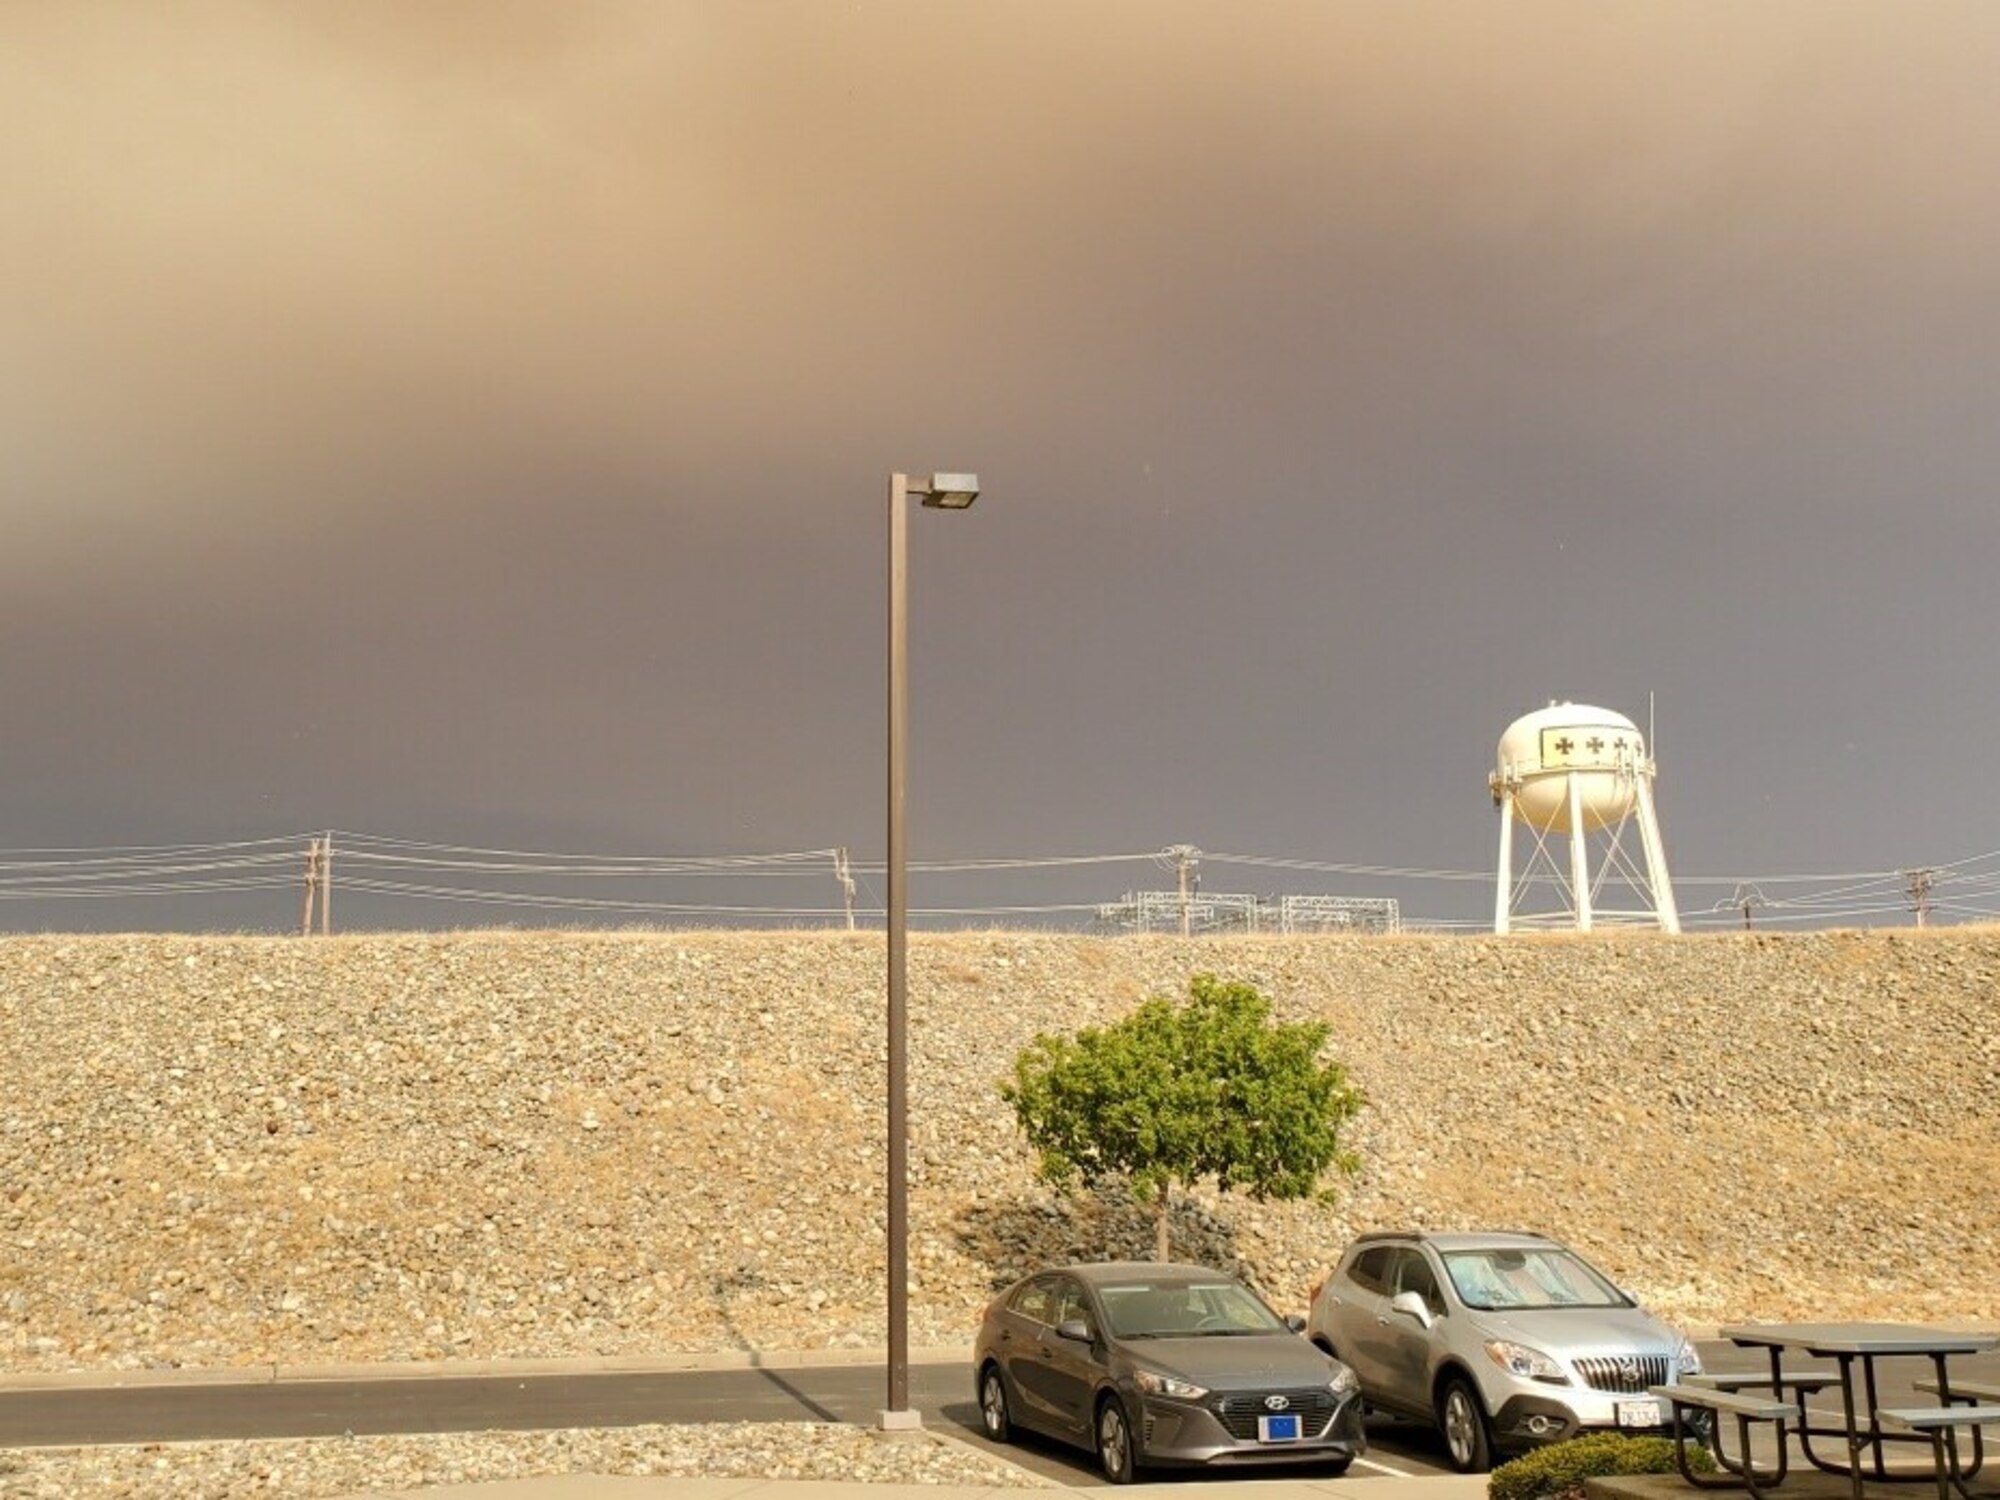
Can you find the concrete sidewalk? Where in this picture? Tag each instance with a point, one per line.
(604, 1487)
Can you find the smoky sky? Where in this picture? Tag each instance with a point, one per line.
(471, 422)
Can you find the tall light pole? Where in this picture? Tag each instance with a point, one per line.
(939, 492)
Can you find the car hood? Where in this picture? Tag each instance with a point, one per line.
(1229, 1362)
(1582, 1331)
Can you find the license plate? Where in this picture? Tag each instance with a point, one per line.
(1283, 1427)
(1640, 1414)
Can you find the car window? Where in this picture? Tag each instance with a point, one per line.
(1071, 1302)
(1183, 1309)
(1414, 1274)
(1370, 1270)
(1037, 1300)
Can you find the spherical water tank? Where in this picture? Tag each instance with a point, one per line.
(1543, 752)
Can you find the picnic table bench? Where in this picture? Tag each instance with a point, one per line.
(1940, 1424)
(1746, 1408)
(1801, 1386)
(1962, 1390)
(1865, 1428)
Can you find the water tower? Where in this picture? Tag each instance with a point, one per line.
(1581, 772)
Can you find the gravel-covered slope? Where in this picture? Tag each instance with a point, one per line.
(220, 1151)
(323, 1468)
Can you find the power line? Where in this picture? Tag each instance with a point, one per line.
(149, 859)
(121, 872)
(371, 862)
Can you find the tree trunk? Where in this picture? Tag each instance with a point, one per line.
(1160, 1221)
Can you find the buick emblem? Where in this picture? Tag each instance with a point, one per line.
(1277, 1403)
(1629, 1368)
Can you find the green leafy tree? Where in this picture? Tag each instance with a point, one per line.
(1176, 1094)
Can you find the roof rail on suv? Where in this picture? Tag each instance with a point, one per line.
(1373, 1235)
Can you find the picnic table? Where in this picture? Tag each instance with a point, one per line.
(1862, 1430)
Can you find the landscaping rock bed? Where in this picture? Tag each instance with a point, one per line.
(322, 1468)
(230, 1151)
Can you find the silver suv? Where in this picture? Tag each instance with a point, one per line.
(1503, 1340)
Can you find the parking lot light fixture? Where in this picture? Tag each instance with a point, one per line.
(938, 492)
(949, 491)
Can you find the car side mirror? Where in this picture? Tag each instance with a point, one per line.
(1075, 1329)
(1411, 1304)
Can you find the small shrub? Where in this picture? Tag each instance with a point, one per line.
(1177, 1093)
(1558, 1471)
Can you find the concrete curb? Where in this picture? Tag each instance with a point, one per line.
(482, 1369)
(599, 1487)
(991, 1454)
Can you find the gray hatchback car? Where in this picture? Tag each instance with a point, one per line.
(1152, 1364)
(1503, 1340)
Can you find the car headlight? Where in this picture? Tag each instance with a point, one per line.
(1343, 1382)
(1687, 1357)
(1529, 1364)
(1166, 1385)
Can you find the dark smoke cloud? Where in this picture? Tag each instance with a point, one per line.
(477, 416)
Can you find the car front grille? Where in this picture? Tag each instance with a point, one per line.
(1628, 1374)
(1238, 1412)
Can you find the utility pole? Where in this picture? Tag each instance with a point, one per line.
(846, 879)
(326, 886)
(1746, 897)
(1185, 857)
(312, 889)
(1920, 882)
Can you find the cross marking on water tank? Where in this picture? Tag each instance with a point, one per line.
(1565, 745)
(1595, 744)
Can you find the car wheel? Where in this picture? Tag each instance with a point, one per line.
(1463, 1421)
(993, 1407)
(1114, 1442)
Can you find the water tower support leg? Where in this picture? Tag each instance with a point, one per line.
(1579, 856)
(1503, 886)
(1656, 859)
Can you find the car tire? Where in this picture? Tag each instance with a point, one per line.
(1467, 1441)
(1115, 1453)
(994, 1419)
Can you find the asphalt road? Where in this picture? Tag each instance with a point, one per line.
(942, 1393)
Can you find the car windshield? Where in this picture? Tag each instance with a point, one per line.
(1185, 1309)
(1529, 1279)
(1501, 1279)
